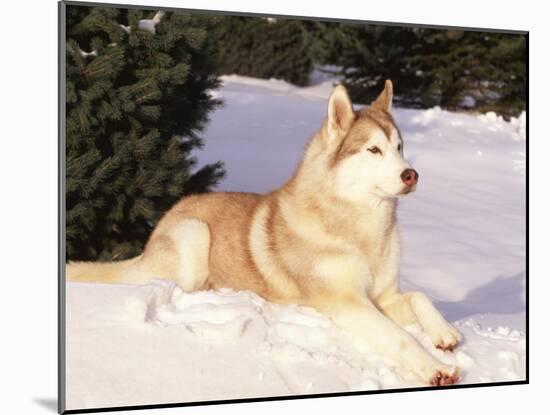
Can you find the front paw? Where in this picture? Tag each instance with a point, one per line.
(435, 373)
(444, 336)
(446, 376)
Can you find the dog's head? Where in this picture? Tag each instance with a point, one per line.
(364, 149)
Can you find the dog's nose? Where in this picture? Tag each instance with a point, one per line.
(409, 177)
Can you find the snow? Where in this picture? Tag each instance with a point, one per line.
(463, 235)
(146, 25)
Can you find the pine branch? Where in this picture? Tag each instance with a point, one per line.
(127, 95)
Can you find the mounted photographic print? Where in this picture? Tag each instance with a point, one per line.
(272, 207)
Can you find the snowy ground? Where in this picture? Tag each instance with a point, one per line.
(464, 245)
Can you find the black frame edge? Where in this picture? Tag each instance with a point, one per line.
(288, 398)
(527, 328)
(61, 379)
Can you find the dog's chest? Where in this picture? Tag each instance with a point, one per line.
(344, 249)
(380, 248)
(362, 260)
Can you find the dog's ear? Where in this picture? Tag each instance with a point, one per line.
(384, 100)
(340, 112)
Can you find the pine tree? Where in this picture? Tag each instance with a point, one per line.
(329, 40)
(371, 54)
(262, 48)
(137, 89)
(487, 68)
(455, 69)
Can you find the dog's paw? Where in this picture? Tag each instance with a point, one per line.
(448, 376)
(435, 373)
(444, 336)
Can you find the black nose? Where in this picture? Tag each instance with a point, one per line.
(409, 177)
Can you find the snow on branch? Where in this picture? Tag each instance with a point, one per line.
(146, 25)
(85, 54)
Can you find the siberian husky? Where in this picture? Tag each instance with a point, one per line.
(328, 239)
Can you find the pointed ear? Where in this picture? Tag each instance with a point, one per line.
(384, 100)
(340, 111)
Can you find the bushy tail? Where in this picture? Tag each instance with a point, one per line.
(106, 272)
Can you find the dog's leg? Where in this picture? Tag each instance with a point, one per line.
(192, 241)
(179, 253)
(414, 306)
(411, 307)
(383, 336)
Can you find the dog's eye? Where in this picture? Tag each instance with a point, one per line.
(374, 150)
(399, 147)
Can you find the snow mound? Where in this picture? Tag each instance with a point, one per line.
(158, 333)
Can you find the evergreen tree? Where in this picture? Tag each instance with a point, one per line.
(371, 54)
(137, 87)
(329, 40)
(467, 69)
(265, 48)
(452, 68)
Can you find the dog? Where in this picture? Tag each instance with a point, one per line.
(327, 239)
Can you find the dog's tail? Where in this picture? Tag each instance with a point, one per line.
(107, 272)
